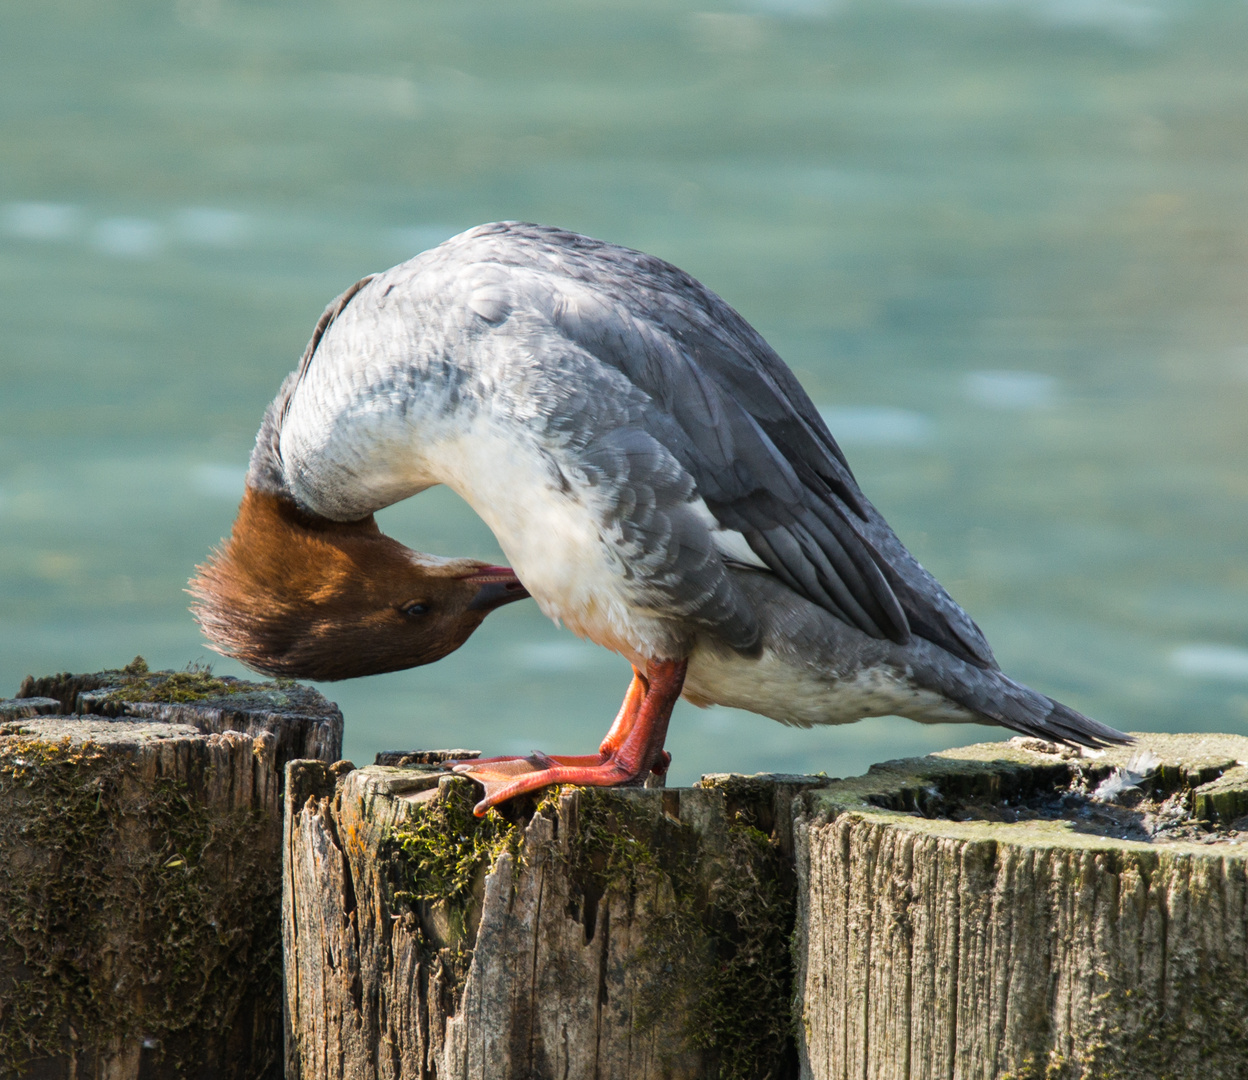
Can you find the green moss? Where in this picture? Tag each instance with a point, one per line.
(109, 692)
(196, 683)
(617, 845)
(95, 855)
(743, 1010)
(1054, 1067)
(1203, 1034)
(445, 846)
(439, 859)
(719, 925)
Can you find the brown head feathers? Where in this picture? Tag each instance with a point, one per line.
(297, 595)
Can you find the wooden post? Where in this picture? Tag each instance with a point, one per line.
(626, 933)
(1015, 910)
(140, 841)
(1010, 911)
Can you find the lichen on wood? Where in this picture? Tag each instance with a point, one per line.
(596, 933)
(137, 682)
(195, 683)
(140, 899)
(718, 940)
(303, 722)
(980, 914)
(136, 910)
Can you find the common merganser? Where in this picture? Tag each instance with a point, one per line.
(655, 474)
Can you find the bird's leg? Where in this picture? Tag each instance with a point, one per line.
(620, 728)
(632, 748)
(624, 719)
(627, 716)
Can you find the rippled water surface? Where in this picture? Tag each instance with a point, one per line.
(1004, 245)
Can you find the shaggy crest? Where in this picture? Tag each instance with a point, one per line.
(296, 595)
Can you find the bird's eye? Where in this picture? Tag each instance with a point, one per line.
(414, 609)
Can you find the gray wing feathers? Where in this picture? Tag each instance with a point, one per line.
(812, 639)
(594, 422)
(748, 482)
(650, 519)
(725, 405)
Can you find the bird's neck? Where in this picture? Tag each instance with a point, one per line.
(318, 452)
(264, 472)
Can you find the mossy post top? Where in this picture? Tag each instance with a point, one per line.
(1026, 791)
(953, 792)
(301, 721)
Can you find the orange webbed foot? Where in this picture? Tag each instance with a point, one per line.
(632, 749)
(506, 778)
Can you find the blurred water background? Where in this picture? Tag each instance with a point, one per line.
(1003, 244)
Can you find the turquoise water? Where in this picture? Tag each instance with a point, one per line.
(1005, 245)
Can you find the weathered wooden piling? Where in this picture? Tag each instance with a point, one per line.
(1016, 910)
(626, 933)
(976, 914)
(140, 839)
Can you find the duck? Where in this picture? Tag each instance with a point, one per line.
(660, 483)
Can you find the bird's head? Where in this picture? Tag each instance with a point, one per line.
(296, 595)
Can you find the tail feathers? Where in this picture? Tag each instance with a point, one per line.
(1031, 713)
(1073, 727)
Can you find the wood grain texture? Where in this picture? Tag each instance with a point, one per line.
(622, 933)
(140, 899)
(981, 950)
(632, 933)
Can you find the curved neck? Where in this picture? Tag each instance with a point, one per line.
(264, 470)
